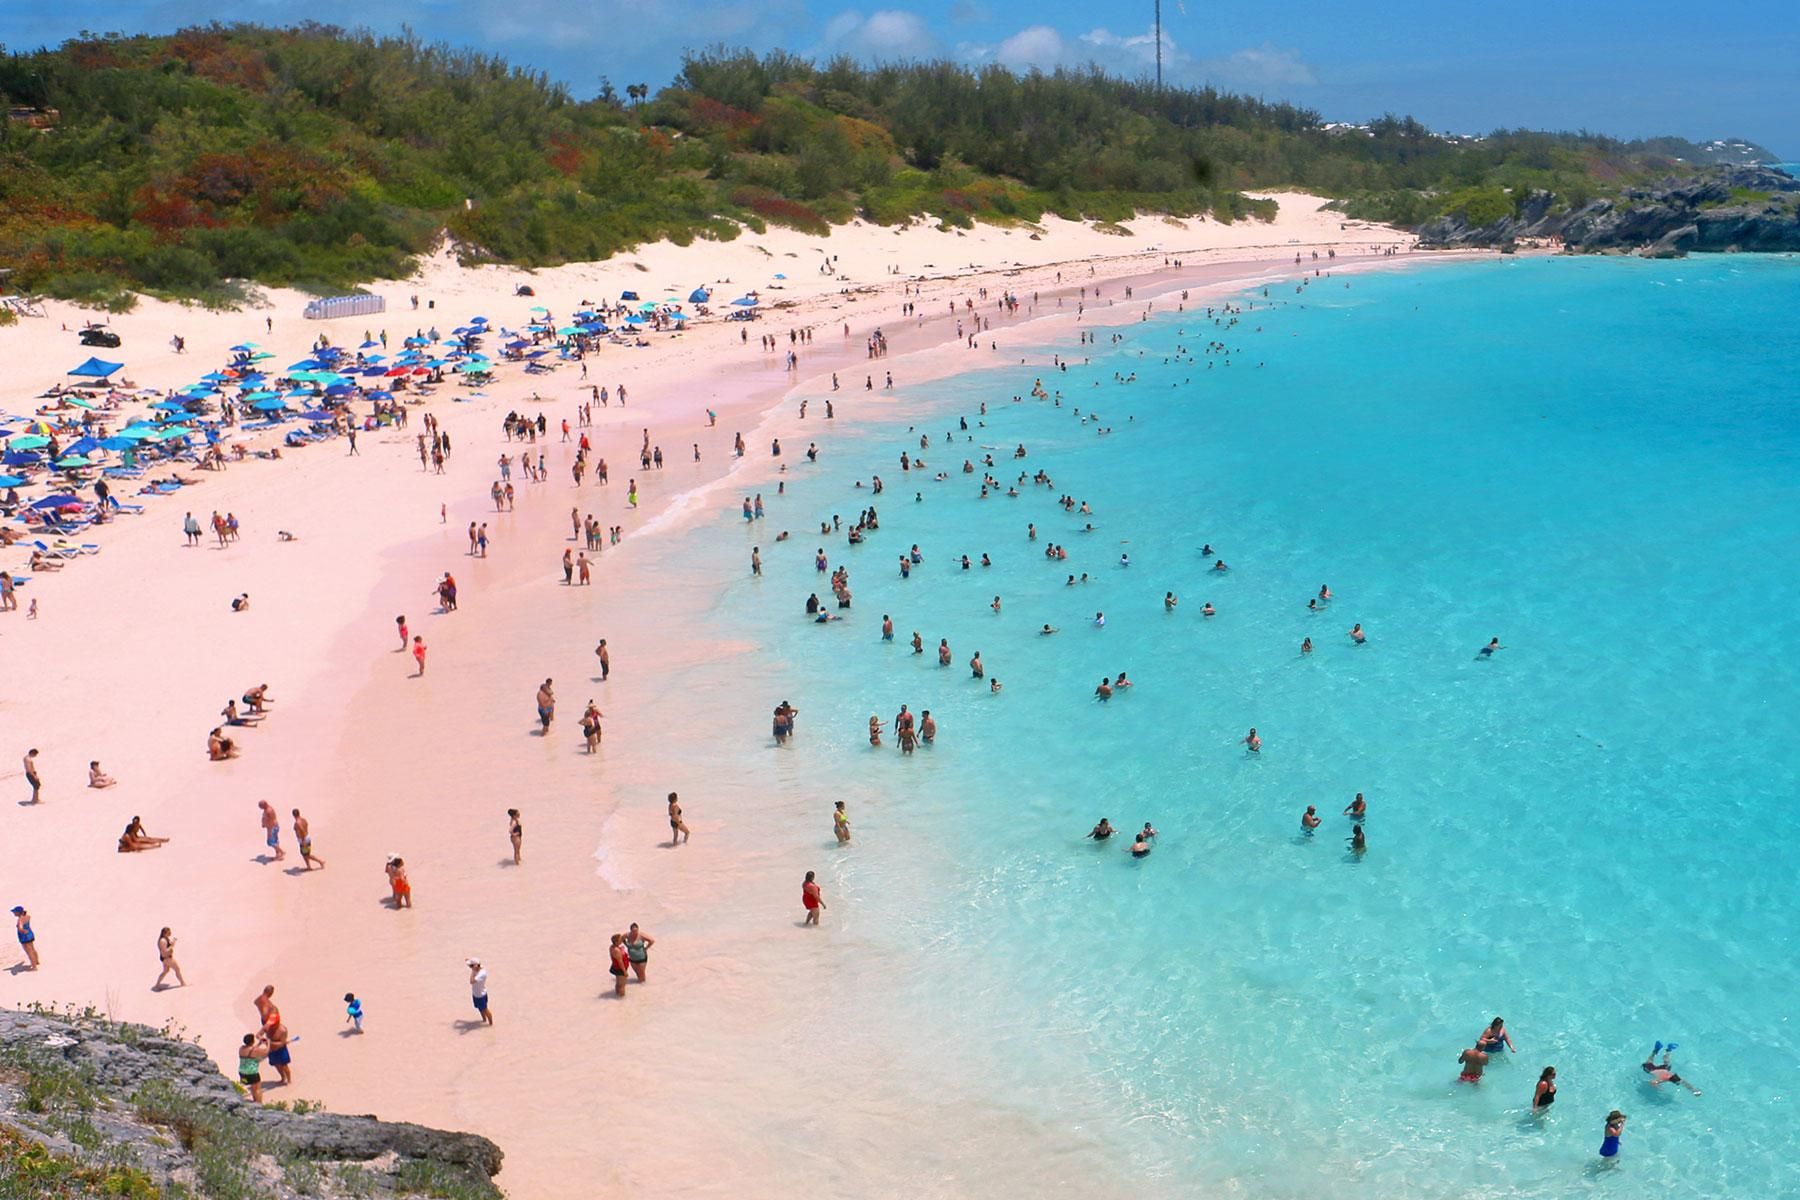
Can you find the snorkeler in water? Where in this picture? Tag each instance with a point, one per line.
(1664, 1073)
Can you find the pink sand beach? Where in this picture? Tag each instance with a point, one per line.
(721, 1075)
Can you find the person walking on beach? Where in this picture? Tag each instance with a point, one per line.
(165, 953)
(605, 658)
(418, 651)
(399, 884)
(678, 830)
(546, 706)
(478, 989)
(191, 529)
(637, 950)
(27, 938)
(812, 899)
(620, 964)
(353, 1011)
(515, 833)
(271, 824)
(31, 775)
(303, 835)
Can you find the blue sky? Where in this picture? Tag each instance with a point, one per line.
(1631, 69)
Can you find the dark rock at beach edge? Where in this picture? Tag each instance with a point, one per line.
(1722, 210)
(161, 1106)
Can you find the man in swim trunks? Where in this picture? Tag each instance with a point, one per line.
(271, 824)
(478, 981)
(1660, 1075)
(303, 835)
(1474, 1062)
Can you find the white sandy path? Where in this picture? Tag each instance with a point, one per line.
(136, 651)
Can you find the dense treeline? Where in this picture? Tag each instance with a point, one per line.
(316, 157)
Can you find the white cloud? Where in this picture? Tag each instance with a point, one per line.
(1258, 66)
(1133, 55)
(888, 34)
(1035, 47)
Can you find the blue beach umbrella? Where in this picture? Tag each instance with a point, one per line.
(13, 481)
(316, 414)
(744, 302)
(698, 296)
(117, 443)
(96, 368)
(60, 500)
(270, 404)
(30, 441)
(20, 458)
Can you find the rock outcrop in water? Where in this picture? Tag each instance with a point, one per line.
(88, 1107)
(1722, 210)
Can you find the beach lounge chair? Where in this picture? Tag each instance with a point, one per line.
(112, 502)
(52, 552)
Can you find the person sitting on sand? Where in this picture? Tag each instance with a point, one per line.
(241, 604)
(40, 563)
(258, 698)
(135, 839)
(219, 747)
(98, 778)
(233, 717)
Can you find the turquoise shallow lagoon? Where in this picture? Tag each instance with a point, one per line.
(1597, 461)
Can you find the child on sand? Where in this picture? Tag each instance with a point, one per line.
(418, 651)
(353, 1011)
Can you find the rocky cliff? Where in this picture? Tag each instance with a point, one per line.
(1723, 209)
(92, 1108)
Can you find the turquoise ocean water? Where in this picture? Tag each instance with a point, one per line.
(1597, 461)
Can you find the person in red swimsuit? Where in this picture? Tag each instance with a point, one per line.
(621, 964)
(810, 896)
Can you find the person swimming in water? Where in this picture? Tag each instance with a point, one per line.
(1357, 635)
(1487, 651)
(1146, 836)
(1544, 1095)
(1102, 831)
(1473, 1062)
(1358, 843)
(1495, 1038)
(1310, 820)
(1252, 741)
(1358, 808)
(1664, 1073)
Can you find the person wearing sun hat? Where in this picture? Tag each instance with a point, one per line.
(478, 980)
